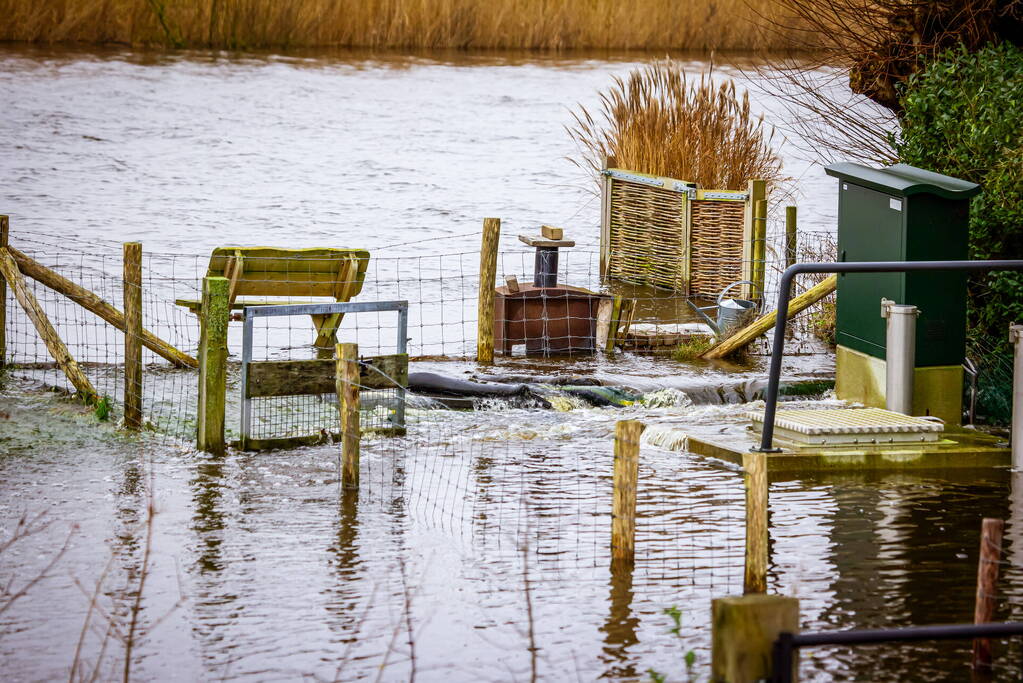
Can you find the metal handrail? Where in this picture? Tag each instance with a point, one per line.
(785, 293)
(787, 643)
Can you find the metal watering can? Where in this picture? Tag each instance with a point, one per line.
(732, 313)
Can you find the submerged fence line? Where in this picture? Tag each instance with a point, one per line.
(442, 291)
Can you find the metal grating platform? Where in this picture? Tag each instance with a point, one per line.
(850, 426)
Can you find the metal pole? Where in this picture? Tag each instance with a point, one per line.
(1016, 337)
(900, 355)
(785, 291)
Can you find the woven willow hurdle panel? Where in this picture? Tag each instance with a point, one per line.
(647, 235)
(718, 247)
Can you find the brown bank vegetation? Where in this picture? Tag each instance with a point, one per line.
(462, 24)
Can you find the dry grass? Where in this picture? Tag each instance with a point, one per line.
(486, 24)
(658, 121)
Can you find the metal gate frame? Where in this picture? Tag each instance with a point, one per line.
(250, 313)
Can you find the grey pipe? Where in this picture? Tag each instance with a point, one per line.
(900, 355)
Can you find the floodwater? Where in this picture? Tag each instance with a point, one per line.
(477, 548)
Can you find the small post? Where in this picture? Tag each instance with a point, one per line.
(1016, 337)
(626, 474)
(987, 584)
(743, 632)
(132, 290)
(347, 381)
(488, 271)
(214, 316)
(790, 235)
(755, 575)
(5, 226)
(759, 247)
(900, 355)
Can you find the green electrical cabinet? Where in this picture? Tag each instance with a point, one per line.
(902, 213)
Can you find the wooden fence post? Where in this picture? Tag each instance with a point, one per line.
(4, 237)
(132, 289)
(759, 247)
(626, 475)
(488, 273)
(347, 381)
(790, 235)
(755, 576)
(755, 235)
(743, 631)
(213, 319)
(987, 585)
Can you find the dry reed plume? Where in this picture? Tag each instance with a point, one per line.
(487, 24)
(657, 121)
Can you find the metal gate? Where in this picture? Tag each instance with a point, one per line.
(317, 422)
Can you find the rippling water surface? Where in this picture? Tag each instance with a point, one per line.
(479, 536)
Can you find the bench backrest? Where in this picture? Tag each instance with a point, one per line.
(274, 271)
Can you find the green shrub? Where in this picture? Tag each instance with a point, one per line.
(963, 116)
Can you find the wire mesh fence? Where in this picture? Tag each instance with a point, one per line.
(442, 291)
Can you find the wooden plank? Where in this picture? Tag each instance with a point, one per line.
(213, 365)
(485, 309)
(194, 305)
(132, 291)
(512, 283)
(314, 377)
(755, 576)
(54, 344)
(347, 388)
(95, 304)
(764, 323)
(536, 241)
(4, 237)
(552, 233)
(759, 250)
(626, 477)
(605, 219)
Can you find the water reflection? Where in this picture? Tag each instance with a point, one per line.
(620, 628)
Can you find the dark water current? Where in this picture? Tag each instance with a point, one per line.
(478, 547)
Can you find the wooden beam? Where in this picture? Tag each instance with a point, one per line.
(488, 271)
(54, 344)
(791, 235)
(552, 233)
(314, 377)
(347, 388)
(764, 323)
(213, 364)
(132, 292)
(95, 304)
(759, 249)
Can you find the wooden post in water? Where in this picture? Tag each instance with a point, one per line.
(132, 290)
(213, 319)
(743, 631)
(790, 235)
(755, 576)
(626, 475)
(987, 585)
(5, 226)
(488, 272)
(347, 381)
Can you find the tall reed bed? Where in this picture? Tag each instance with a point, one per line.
(657, 120)
(479, 24)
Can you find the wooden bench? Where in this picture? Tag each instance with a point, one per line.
(276, 276)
